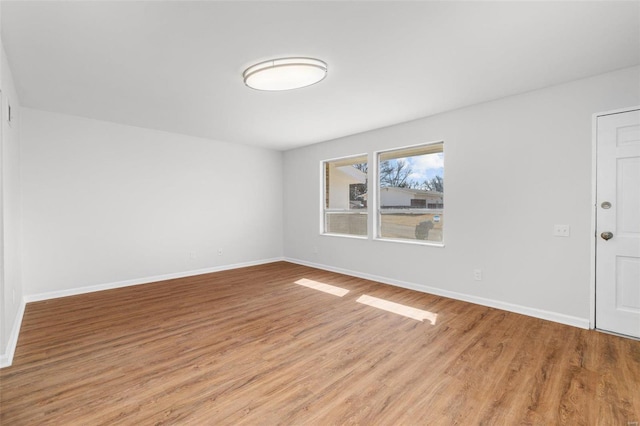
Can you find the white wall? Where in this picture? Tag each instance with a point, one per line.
(533, 151)
(10, 266)
(105, 203)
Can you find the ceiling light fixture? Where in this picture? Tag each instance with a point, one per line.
(285, 74)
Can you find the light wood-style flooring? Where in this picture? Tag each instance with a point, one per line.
(250, 346)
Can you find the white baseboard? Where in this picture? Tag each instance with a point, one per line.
(6, 359)
(145, 280)
(519, 309)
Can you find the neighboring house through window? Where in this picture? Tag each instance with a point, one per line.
(345, 196)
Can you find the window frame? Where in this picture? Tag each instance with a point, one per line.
(323, 198)
(376, 214)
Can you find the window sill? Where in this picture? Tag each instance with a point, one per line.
(415, 243)
(354, 237)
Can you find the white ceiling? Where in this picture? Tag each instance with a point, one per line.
(177, 66)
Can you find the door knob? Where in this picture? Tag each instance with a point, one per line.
(607, 235)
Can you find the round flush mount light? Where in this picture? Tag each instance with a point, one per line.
(285, 74)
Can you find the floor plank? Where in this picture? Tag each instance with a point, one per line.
(250, 346)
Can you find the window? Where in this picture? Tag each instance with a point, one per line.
(345, 196)
(411, 193)
(418, 203)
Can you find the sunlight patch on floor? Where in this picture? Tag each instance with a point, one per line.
(327, 288)
(397, 308)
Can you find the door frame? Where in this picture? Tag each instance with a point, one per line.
(594, 205)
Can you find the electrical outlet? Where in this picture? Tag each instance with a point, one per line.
(315, 250)
(477, 274)
(13, 296)
(192, 255)
(561, 230)
(219, 252)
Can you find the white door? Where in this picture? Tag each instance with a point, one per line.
(618, 223)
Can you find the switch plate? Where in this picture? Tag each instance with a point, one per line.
(561, 230)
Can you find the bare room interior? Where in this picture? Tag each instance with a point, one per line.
(234, 212)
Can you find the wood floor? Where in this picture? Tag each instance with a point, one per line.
(250, 346)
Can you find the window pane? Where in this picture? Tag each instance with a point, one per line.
(345, 196)
(346, 184)
(411, 193)
(412, 226)
(346, 223)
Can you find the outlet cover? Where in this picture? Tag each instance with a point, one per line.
(561, 230)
